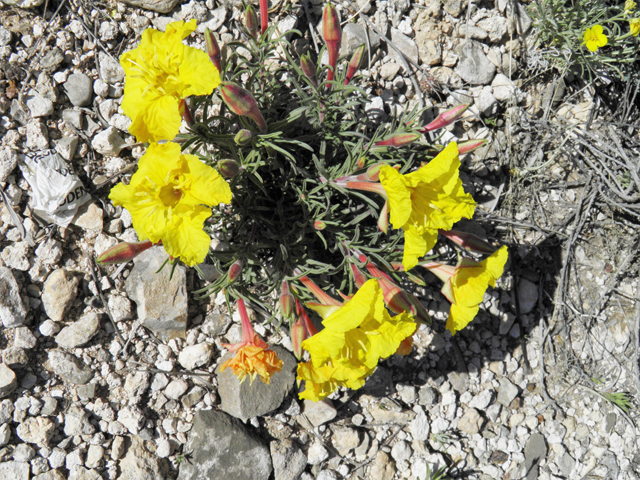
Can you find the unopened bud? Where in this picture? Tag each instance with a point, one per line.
(123, 252)
(383, 218)
(264, 15)
(468, 241)
(228, 168)
(185, 111)
(235, 270)
(298, 335)
(243, 137)
(358, 277)
(332, 36)
(446, 118)
(398, 140)
(470, 145)
(287, 300)
(309, 69)
(319, 225)
(213, 50)
(354, 63)
(241, 102)
(251, 21)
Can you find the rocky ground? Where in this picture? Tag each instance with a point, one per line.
(113, 372)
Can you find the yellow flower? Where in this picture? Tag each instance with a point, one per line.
(634, 26)
(465, 288)
(629, 7)
(159, 73)
(354, 339)
(426, 200)
(167, 199)
(594, 38)
(253, 360)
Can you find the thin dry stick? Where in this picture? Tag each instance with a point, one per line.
(105, 305)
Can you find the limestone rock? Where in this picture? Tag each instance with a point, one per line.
(59, 292)
(12, 311)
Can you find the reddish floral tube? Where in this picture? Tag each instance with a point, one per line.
(123, 252)
(185, 111)
(309, 69)
(470, 145)
(264, 15)
(213, 50)
(445, 118)
(251, 21)
(287, 300)
(332, 36)
(354, 63)
(398, 140)
(241, 102)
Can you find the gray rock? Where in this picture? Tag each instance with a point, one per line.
(69, 368)
(459, 381)
(108, 142)
(527, 295)
(224, 448)
(5, 434)
(486, 103)
(15, 358)
(139, 463)
(534, 452)
(16, 256)
(6, 410)
(76, 422)
(503, 88)
(474, 66)
(453, 7)
(120, 307)
(24, 3)
(80, 332)
(471, 422)
(289, 461)
(345, 439)
(522, 19)
(73, 118)
(109, 69)
(79, 89)
(317, 453)
(137, 384)
(8, 381)
(78, 472)
(405, 44)
(190, 399)
(471, 31)
(5, 37)
(176, 388)
(132, 418)
(37, 136)
(19, 112)
(496, 27)
(419, 426)
(8, 162)
(401, 451)
(319, 412)
(67, 147)
(507, 392)
(246, 400)
(354, 35)
(59, 292)
(49, 251)
(37, 105)
(49, 406)
(482, 400)
(566, 463)
(161, 300)
(52, 59)
(160, 6)
(216, 324)
(89, 217)
(195, 355)
(12, 311)
(15, 470)
(23, 338)
(50, 475)
(37, 430)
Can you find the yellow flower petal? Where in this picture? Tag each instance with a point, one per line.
(253, 361)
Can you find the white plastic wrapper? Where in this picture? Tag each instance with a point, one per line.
(57, 191)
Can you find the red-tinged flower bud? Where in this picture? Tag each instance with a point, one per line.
(359, 278)
(185, 111)
(123, 252)
(468, 241)
(319, 225)
(405, 346)
(373, 172)
(418, 311)
(446, 118)
(309, 69)
(287, 300)
(241, 102)
(398, 140)
(251, 21)
(354, 63)
(396, 298)
(264, 15)
(228, 168)
(332, 36)
(416, 279)
(470, 145)
(383, 219)
(243, 137)
(235, 270)
(213, 50)
(360, 162)
(298, 335)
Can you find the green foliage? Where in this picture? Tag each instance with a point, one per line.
(620, 399)
(439, 474)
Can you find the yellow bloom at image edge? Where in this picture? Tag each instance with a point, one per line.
(168, 197)
(466, 288)
(159, 73)
(634, 26)
(594, 38)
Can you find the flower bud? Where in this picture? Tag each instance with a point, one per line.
(446, 118)
(332, 36)
(354, 63)
(123, 252)
(287, 300)
(309, 69)
(468, 241)
(405, 346)
(359, 278)
(213, 50)
(185, 111)
(243, 137)
(264, 15)
(470, 145)
(228, 168)
(235, 270)
(298, 335)
(383, 218)
(251, 21)
(241, 102)
(319, 225)
(398, 140)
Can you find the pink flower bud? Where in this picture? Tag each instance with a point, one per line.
(354, 63)
(243, 137)
(446, 118)
(319, 225)
(470, 145)
(287, 300)
(468, 241)
(235, 270)
(213, 50)
(298, 335)
(309, 69)
(241, 102)
(358, 277)
(264, 15)
(383, 218)
(251, 21)
(228, 168)
(123, 252)
(398, 140)
(332, 36)
(185, 111)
